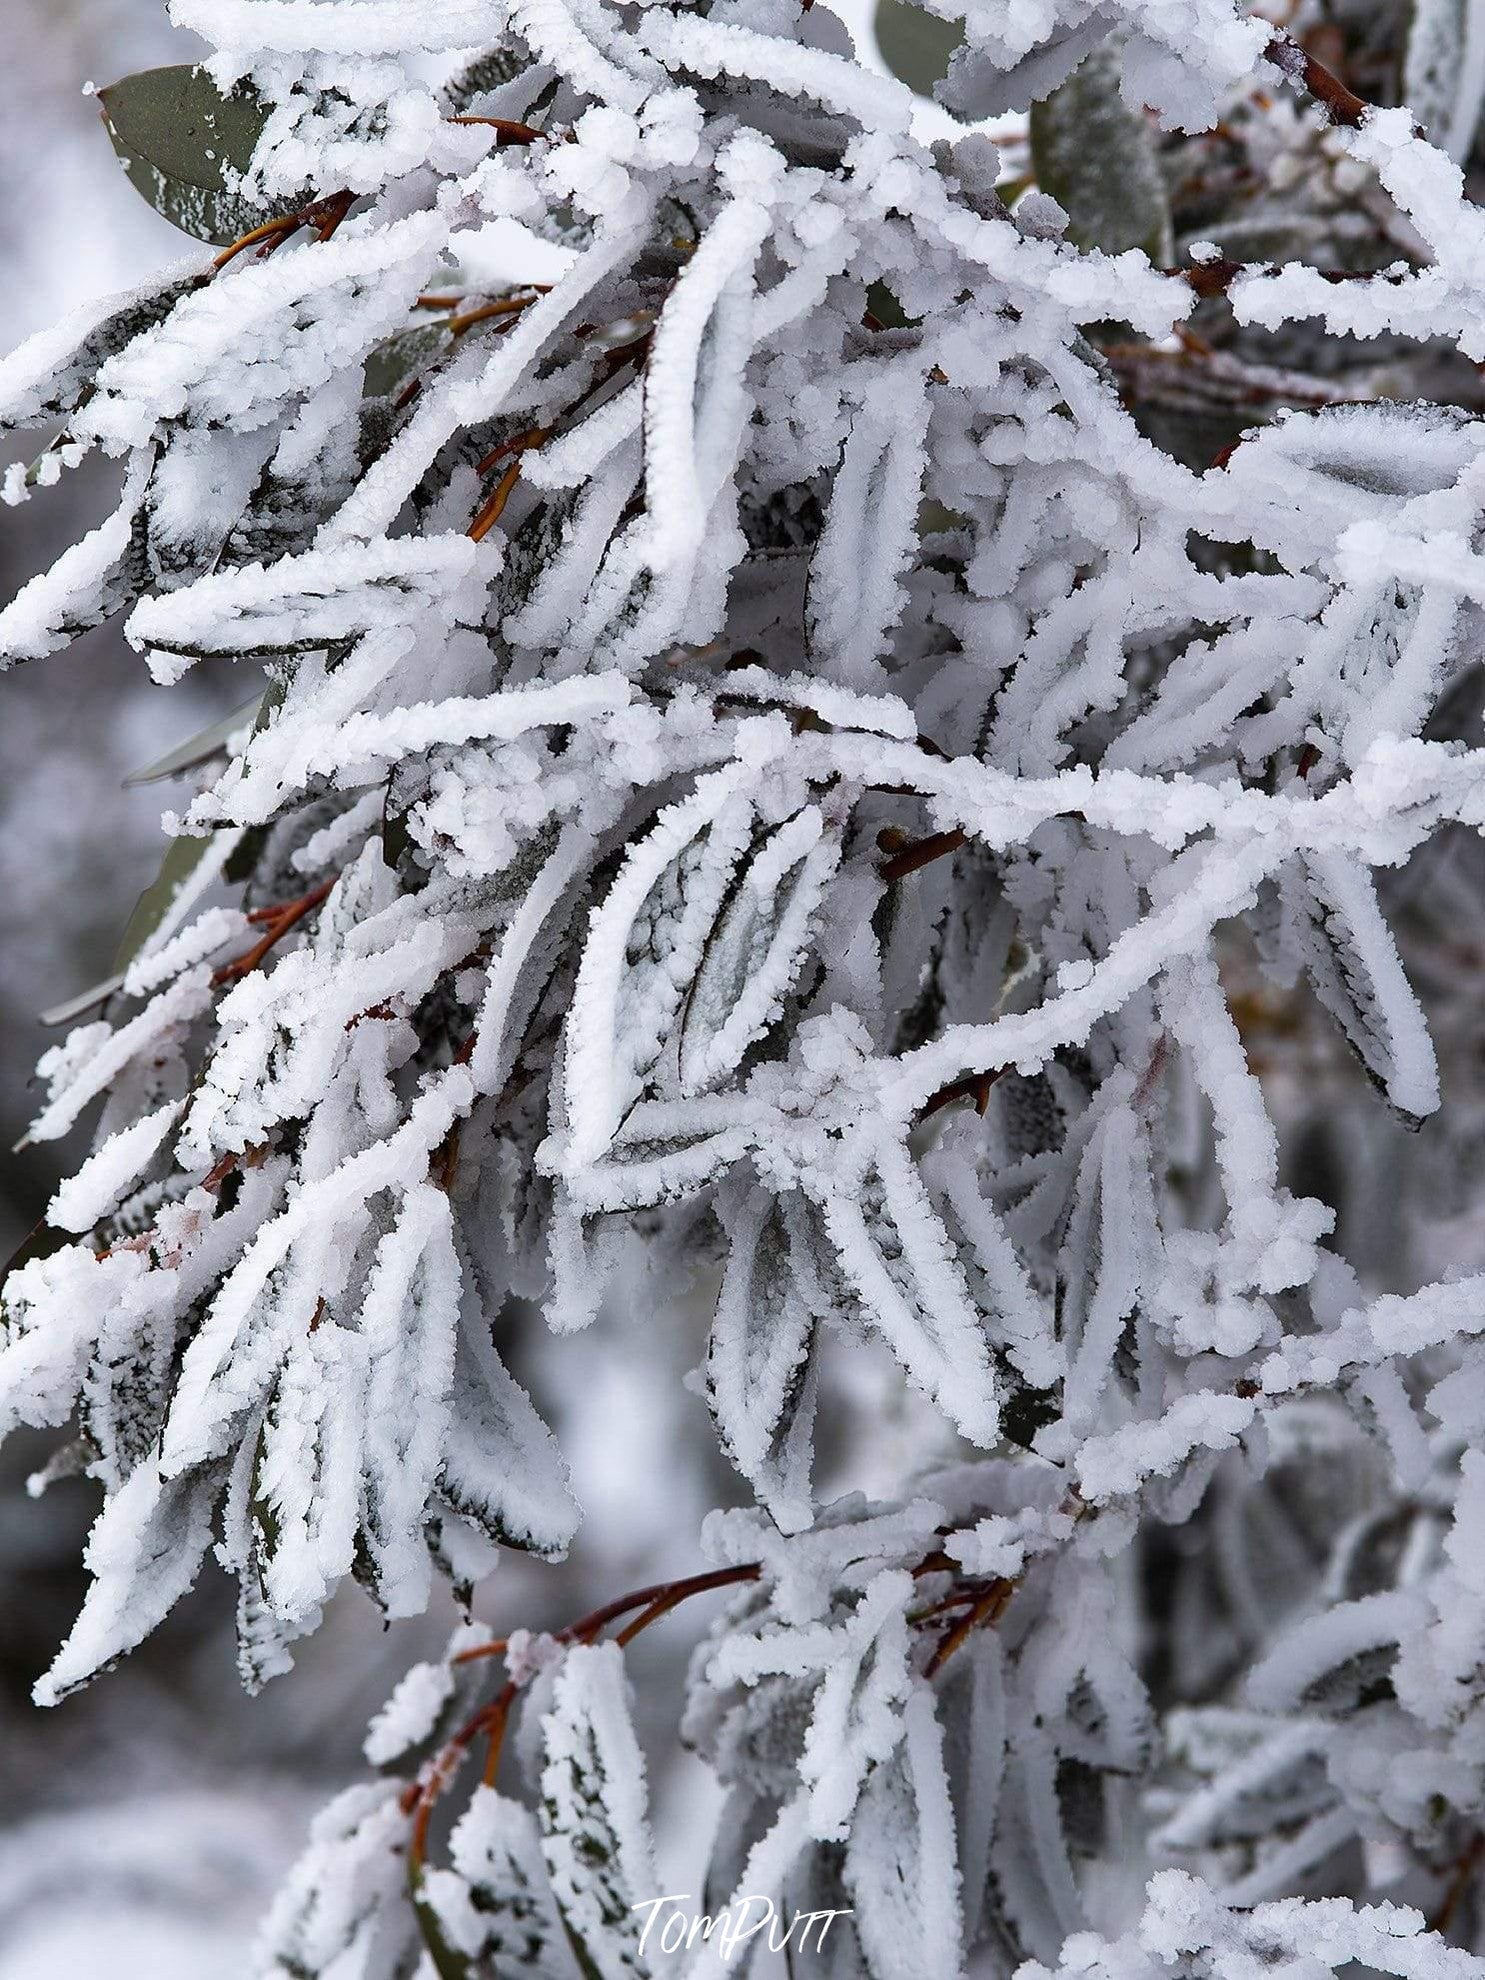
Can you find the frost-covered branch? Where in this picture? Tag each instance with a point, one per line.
(834, 732)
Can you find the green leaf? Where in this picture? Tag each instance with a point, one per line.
(916, 46)
(391, 363)
(491, 69)
(448, 1962)
(888, 311)
(184, 146)
(936, 520)
(1097, 159)
(491, 1913)
(182, 857)
(196, 750)
(72, 1008)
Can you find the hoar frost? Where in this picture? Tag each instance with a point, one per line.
(834, 732)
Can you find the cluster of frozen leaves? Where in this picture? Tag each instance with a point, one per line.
(773, 764)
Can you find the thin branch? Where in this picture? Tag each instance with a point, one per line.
(421, 1796)
(504, 306)
(505, 129)
(324, 215)
(1341, 105)
(973, 1086)
(533, 437)
(672, 1592)
(987, 1611)
(276, 922)
(1459, 1883)
(494, 509)
(922, 853)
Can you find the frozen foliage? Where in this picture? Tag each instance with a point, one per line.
(874, 749)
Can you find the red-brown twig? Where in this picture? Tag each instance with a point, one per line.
(517, 444)
(494, 508)
(276, 923)
(503, 306)
(986, 1604)
(505, 129)
(1215, 278)
(1341, 105)
(908, 859)
(973, 1086)
(987, 1610)
(421, 1795)
(274, 231)
(324, 215)
(589, 1626)
(1459, 1883)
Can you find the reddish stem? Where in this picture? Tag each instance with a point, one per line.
(921, 854)
(506, 131)
(1340, 104)
(276, 923)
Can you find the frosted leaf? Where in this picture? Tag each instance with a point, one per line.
(111, 1171)
(409, 1324)
(45, 376)
(595, 1824)
(98, 576)
(306, 1484)
(855, 596)
(501, 1466)
(1326, 1661)
(972, 1707)
(759, 1378)
(1352, 960)
(756, 949)
(410, 1714)
(337, 1916)
(1445, 72)
(495, 1904)
(144, 1551)
(901, 1868)
(896, 1256)
(1096, 157)
(1122, 1460)
(644, 948)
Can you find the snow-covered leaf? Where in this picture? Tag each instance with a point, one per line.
(144, 1551)
(594, 1814)
(494, 1903)
(901, 1867)
(1351, 959)
(759, 1377)
(916, 46)
(1097, 158)
(185, 147)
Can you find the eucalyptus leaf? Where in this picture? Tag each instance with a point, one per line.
(197, 749)
(1097, 159)
(184, 146)
(882, 303)
(916, 46)
(391, 363)
(55, 1016)
(182, 859)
